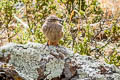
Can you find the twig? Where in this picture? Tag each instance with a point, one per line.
(2, 38)
(19, 20)
(98, 49)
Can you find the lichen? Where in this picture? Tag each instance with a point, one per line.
(54, 68)
(36, 61)
(26, 63)
(26, 59)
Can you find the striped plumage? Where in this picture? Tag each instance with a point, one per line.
(52, 29)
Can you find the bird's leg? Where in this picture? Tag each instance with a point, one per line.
(55, 43)
(48, 43)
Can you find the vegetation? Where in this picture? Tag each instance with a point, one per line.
(88, 29)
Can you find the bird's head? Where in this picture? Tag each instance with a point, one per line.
(53, 18)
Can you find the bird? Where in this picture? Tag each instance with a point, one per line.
(52, 29)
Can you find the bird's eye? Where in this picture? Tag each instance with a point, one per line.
(50, 20)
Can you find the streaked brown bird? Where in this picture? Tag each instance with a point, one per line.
(52, 29)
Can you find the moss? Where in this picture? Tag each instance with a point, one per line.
(3, 51)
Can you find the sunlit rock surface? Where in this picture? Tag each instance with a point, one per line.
(34, 61)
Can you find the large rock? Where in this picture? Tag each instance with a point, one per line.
(8, 72)
(34, 61)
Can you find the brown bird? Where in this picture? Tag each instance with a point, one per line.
(52, 29)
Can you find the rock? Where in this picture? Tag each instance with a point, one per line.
(7, 72)
(34, 61)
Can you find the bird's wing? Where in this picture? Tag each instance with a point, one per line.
(59, 27)
(44, 28)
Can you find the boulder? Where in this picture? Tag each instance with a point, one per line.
(34, 61)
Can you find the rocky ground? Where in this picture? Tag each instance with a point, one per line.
(34, 61)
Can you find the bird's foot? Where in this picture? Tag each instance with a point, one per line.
(52, 43)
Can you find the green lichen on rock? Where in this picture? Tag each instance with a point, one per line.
(54, 68)
(35, 61)
(27, 58)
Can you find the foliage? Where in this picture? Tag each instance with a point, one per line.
(6, 12)
(113, 59)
